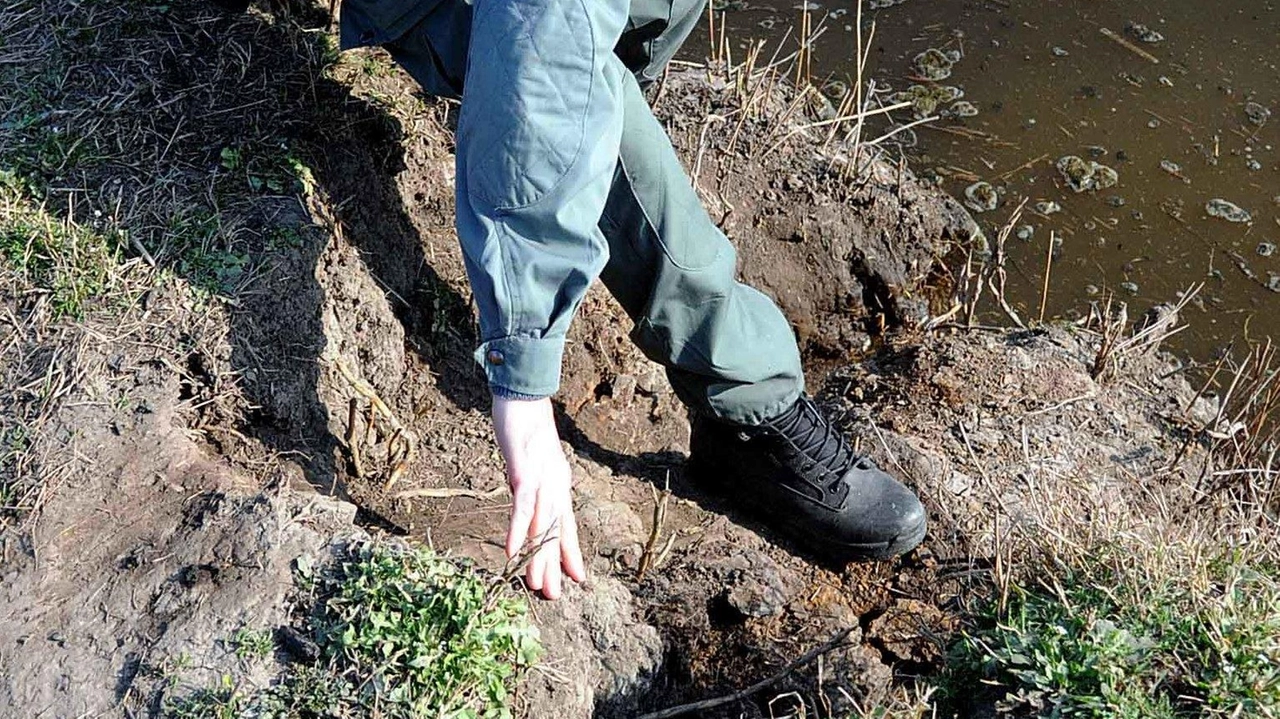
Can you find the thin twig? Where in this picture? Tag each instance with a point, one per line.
(1113, 35)
(1048, 270)
(448, 493)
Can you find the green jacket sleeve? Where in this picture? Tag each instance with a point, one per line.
(538, 140)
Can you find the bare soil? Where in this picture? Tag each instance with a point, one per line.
(175, 516)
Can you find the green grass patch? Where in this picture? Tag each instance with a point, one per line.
(71, 263)
(252, 643)
(404, 633)
(1137, 631)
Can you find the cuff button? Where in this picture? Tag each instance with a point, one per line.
(494, 357)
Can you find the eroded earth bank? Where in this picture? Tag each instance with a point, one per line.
(291, 256)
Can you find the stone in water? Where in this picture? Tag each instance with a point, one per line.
(1229, 211)
(981, 197)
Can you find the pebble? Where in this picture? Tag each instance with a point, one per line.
(1059, 51)
(1091, 290)
(981, 197)
(1115, 201)
(1025, 233)
(297, 644)
(1048, 207)
(1153, 123)
(1266, 249)
(1130, 287)
(1258, 114)
(1143, 33)
(1229, 211)
(1253, 164)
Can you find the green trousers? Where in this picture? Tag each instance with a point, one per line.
(538, 222)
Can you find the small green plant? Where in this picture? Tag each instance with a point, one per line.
(14, 441)
(404, 633)
(436, 637)
(206, 254)
(1118, 637)
(223, 701)
(251, 644)
(273, 168)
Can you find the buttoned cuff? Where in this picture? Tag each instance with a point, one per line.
(527, 366)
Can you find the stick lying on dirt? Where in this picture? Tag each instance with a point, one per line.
(741, 694)
(449, 493)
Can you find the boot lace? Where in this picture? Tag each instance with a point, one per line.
(814, 438)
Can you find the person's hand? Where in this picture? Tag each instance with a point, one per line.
(542, 510)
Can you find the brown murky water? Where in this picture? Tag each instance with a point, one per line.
(1170, 110)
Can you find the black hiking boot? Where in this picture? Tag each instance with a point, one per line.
(798, 473)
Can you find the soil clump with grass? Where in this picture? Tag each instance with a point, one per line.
(238, 399)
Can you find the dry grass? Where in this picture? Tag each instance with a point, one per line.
(143, 151)
(782, 95)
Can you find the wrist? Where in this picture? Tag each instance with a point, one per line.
(502, 393)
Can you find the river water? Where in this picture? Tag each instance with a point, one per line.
(1177, 107)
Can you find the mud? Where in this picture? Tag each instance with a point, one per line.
(178, 515)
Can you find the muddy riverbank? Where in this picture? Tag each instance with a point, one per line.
(289, 256)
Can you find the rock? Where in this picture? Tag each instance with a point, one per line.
(624, 389)
(906, 628)
(297, 645)
(1143, 33)
(1266, 249)
(615, 525)
(1258, 114)
(757, 595)
(1086, 175)
(652, 381)
(981, 197)
(605, 655)
(1228, 211)
(1048, 207)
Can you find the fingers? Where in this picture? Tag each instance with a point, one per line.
(551, 579)
(524, 505)
(542, 574)
(570, 551)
